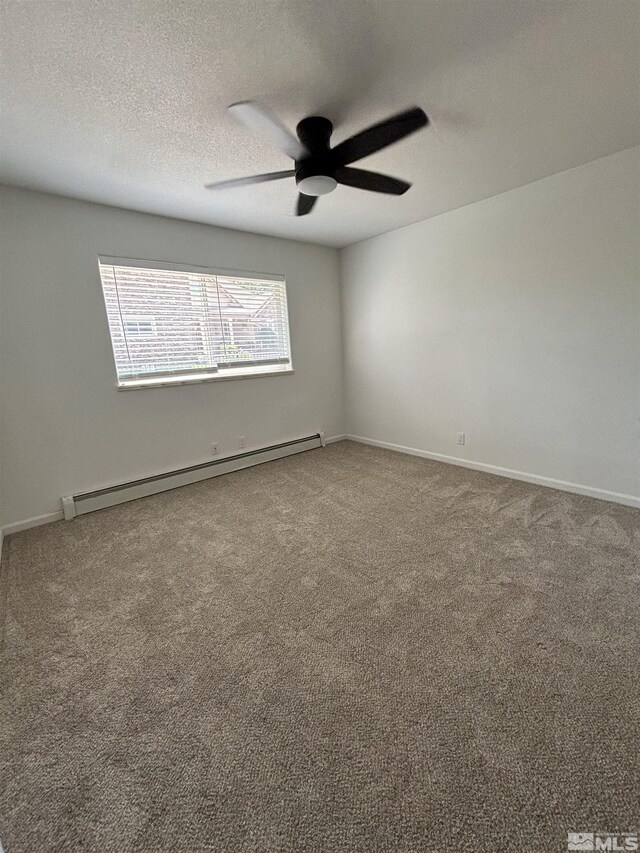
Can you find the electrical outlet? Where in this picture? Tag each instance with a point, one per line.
(460, 438)
(242, 441)
(214, 448)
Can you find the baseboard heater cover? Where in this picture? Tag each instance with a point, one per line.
(84, 502)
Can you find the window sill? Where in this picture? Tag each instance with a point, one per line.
(164, 383)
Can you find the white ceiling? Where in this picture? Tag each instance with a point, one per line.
(123, 101)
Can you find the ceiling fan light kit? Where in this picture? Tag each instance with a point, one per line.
(316, 184)
(318, 167)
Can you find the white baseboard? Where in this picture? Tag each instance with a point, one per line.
(119, 493)
(562, 485)
(36, 521)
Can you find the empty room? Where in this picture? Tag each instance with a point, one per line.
(319, 426)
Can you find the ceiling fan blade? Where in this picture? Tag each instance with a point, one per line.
(250, 179)
(379, 136)
(305, 204)
(261, 121)
(373, 181)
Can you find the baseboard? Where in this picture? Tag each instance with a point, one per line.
(119, 493)
(36, 521)
(562, 485)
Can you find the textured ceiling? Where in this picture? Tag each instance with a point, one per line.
(123, 101)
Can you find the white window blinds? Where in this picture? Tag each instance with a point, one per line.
(170, 325)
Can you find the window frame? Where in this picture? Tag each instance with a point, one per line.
(251, 371)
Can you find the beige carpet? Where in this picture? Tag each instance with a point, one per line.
(349, 650)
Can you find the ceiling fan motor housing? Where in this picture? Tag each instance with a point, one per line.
(315, 175)
(318, 167)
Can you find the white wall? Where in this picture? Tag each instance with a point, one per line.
(515, 320)
(1, 422)
(65, 427)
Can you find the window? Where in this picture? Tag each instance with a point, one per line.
(186, 324)
(139, 327)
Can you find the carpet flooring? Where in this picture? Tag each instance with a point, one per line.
(346, 651)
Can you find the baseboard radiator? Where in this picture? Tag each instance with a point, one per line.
(84, 502)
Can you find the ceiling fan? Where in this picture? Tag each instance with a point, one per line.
(318, 167)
